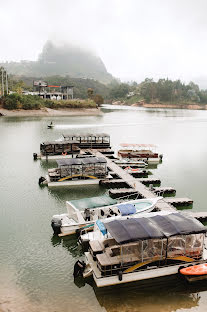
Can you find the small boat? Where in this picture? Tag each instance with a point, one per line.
(200, 269)
(145, 247)
(146, 151)
(50, 126)
(72, 144)
(129, 162)
(82, 214)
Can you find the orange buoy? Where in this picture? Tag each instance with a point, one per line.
(137, 169)
(199, 269)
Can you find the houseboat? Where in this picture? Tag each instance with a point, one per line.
(83, 213)
(76, 171)
(140, 151)
(73, 144)
(143, 248)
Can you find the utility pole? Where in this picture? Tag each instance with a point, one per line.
(7, 89)
(2, 81)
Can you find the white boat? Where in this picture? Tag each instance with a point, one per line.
(143, 248)
(144, 151)
(82, 214)
(76, 171)
(129, 162)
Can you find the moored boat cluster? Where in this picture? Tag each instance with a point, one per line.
(124, 239)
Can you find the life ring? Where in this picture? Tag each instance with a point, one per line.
(64, 153)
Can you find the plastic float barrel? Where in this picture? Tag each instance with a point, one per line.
(78, 233)
(120, 275)
(41, 180)
(35, 156)
(79, 268)
(56, 224)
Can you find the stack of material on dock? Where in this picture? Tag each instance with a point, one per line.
(201, 215)
(178, 201)
(164, 190)
(114, 193)
(147, 181)
(110, 183)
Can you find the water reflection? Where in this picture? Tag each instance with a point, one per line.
(146, 296)
(69, 243)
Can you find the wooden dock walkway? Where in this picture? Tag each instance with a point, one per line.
(134, 183)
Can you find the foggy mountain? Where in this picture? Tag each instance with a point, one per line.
(62, 60)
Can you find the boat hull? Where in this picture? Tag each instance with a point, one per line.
(74, 183)
(131, 277)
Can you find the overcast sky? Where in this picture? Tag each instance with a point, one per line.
(134, 38)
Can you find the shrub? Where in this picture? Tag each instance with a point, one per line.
(12, 101)
(98, 99)
(31, 102)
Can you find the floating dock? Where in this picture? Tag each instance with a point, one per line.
(178, 201)
(134, 183)
(160, 191)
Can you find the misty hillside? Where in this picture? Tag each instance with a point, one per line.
(65, 60)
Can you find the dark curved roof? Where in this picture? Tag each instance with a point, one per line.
(159, 226)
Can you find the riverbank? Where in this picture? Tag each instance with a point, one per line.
(174, 106)
(44, 112)
(192, 106)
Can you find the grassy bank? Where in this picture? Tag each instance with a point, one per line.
(30, 102)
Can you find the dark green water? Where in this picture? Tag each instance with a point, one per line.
(35, 268)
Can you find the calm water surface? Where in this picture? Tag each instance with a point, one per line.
(35, 267)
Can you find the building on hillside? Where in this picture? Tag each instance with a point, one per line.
(52, 92)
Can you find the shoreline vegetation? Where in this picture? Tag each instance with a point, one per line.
(90, 94)
(191, 106)
(30, 105)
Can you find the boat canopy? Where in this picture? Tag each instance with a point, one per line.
(54, 143)
(80, 161)
(126, 209)
(137, 145)
(75, 135)
(159, 226)
(93, 202)
(69, 162)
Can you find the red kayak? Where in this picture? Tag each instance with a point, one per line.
(200, 269)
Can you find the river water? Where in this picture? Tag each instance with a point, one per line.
(35, 267)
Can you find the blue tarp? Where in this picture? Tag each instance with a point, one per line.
(127, 209)
(101, 227)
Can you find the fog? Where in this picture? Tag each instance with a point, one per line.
(135, 39)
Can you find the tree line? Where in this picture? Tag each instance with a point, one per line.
(150, 91)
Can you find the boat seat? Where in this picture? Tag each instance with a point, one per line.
(96, 246)
(109, 242)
